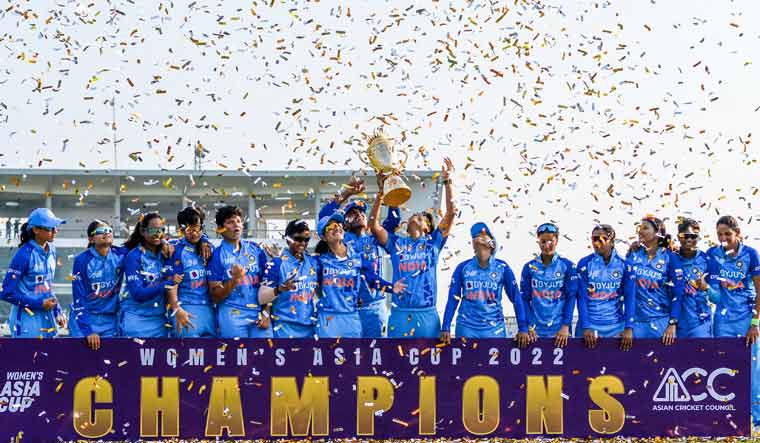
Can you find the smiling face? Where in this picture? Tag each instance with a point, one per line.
(356, 219)
(193, 233)
(548, 243)
(728, 238)
(154, 232)
(101, 236)
(298, 242)
(646, 232)
(334, 233)
(601, 242)
(688, 240)
(233, 228)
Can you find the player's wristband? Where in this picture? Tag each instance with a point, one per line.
(755, 322)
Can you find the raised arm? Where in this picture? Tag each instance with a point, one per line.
(448, 217)
(381, 235)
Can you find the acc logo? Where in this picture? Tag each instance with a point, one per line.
(673, 389)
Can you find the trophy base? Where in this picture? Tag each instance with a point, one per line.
(397, 197)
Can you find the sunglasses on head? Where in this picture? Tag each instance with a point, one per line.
(154, 231)
(547, 227)
(102, 230)
(687, 236)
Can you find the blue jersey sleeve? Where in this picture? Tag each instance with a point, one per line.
(121, 251)
(16, 271)
(455, 296)
(570, 290)
(509, 282)
(80, 284)
(216, 269)
(138, 288)
(439, 241)
(272, 273)
(174, 265)
(328, 209)
(754, 263)
(582, 273)
(263, 260)
(628, 286)
(374, 281)
(675, 276)
(392, 219)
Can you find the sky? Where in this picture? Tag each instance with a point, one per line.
(577, 112)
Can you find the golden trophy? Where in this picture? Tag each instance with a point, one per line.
(384, 159)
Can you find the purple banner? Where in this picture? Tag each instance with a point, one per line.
(59, 388)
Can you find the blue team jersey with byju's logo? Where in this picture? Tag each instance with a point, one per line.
(193, 289)
(253, 259)
(659, 284)
(29, 280)
(416, 262)
(695, 308)
(732, 276)
(549, 293)
(477, 291)
(606, 295)
(297, 305)
(144, 291)
(96, 284)
(340, 280)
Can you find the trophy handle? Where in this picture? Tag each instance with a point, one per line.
(402, 163)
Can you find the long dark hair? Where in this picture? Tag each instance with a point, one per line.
(25, 235)
(322, 247)
(191, 216)
(91, 227)
(136, 238)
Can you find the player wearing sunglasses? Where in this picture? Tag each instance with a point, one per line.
(96, 281)
(415, 262)
(659, 282)
(696, 317)
(28, 284)
(606, 292)
(236, 270)
(290, 283)
(192, 312)
(340, 272)
(143, 302)
(549, 286)
(476, 290)
(373, 304)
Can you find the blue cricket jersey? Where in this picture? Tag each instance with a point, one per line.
(549, 293)
(416, 261)
(731, 277)
(193, 289)
(477, 292)
(29, 280)
(297, 305)
(659, 284)
(146, 282)
(253, 259)
(340, 280)
(367, 246)
(96, 284)
(606, 292)
(695, 309)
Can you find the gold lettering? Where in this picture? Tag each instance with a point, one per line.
(476, 419)
(373, 394)
(428, 402)
(543, 405)
(611, 417)
(310, 409)
(167, 403)
(89, 422)
(225, 410)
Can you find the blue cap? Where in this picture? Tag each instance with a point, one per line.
(324, 221)
(479, 228)
(358, 204)
(44, 218)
